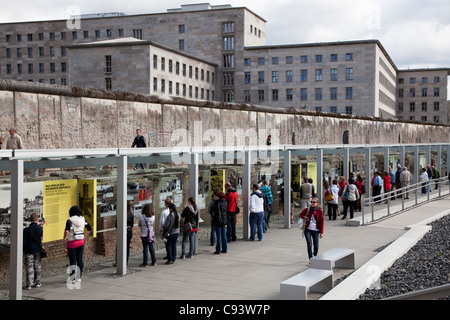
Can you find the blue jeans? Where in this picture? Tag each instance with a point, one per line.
(76, 258)
(314, 236)
(212, 239)
(172, 247)
(191, 236)
(221, 234)
(257, 221)
(146, 246)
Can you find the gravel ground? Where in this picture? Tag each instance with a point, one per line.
(425, 265)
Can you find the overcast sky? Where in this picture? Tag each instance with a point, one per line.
(415, 33)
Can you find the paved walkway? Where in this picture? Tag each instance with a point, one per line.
(251, 270)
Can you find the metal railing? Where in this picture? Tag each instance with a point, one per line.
(423, 187)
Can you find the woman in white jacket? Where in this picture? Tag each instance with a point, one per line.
(350, 194)
(333, 204)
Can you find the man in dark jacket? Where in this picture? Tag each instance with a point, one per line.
(219, 222)
(32, 243)
(139, 142)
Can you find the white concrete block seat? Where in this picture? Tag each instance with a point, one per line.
(316, 280)
(341, 258)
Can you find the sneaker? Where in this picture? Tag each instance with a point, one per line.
(28, 287)
(143, 265)
(153, 263)
(182, 257)
(37, 284)
(189, 256)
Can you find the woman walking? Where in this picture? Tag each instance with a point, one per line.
(74, 234)
(314, 226)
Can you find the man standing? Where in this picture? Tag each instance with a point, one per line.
(231, 197)
(405, 180)
(14, 141)
(266, 190)
(256, 213)
(306, 193)
(32, 243)
(139, 142)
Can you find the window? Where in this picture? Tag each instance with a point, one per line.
(304, 59)
(19, 52)
(303, 94)
(228, 43)
(196, 73)
(228, 79)
(436, 106)
(137, 33)
(19, 68)
(261, 95)
(289, 76)
(8, 52)
(52, 51)
(155, 84)
(333, 109)
(274, 60)
(177, 68)
(228, 61)
(401, 80)
(247, 61)
(424, 80)
(74, 35)
(85, 34)
(63, 51)
(41, 68)
(170, 65)
(170, 87)
(333, 74)
(247, 77)
(412, 80)
(412, 93)
(318, 74)
(184, 69)
(181, 45)
(228, 27)
(436, 119)
(274, 76)
(318, 93)
(412, 106)
(424, 106)
(41, 51)
(424, 118)
(30, 67)
(349, 74)
(8, 38)
(334, 57)
(190, 72)
(333, 93)
(260, 76)
(289, 60)
(400, 93)
(181, 28)
(275, 95)
(349, 56)
(97, 33)
(52, 67)
(163, 86)
(400, 107)
(108, 83)
(260, 61)
(304, 75)
(109, 33)
(163, 64)
(348, 110)
(19, 38)
(108, 64)
(155, 61)
(63, 67)
(349, 93)
(436, 92)
(289, 94)
(436, 79)
(30, 52)
(120, 32)
(319, 58)
(424, 92)
(30, 37)
(51, 35)
(247, 96)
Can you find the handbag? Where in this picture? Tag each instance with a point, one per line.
(187, 227)
(150, 233)
(329, 195)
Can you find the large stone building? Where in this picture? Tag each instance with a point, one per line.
(353, 77)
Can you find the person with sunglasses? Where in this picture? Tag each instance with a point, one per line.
(313, 227)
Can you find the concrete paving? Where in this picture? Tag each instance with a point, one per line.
(251, 270)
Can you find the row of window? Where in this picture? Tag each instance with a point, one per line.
(289, 75)
(424, 106)
(412, 80)
(436, 119)
(137, 33)
(182, 89)
(303, 59)
(31, 52)
(289, 94)
(183, 68)
(30, 68)
(412, 92)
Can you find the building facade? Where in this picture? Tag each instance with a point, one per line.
(350, 77)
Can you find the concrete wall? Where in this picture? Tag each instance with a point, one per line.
(69, 117)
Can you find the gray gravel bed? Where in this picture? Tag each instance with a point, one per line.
(425, 265)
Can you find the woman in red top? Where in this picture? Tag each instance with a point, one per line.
(313, 227)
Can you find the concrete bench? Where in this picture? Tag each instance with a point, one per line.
(341, 258)
(296, 287)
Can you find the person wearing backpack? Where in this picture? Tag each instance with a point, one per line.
(219, 222)
(314, 226)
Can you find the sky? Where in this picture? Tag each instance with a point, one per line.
(415, 33)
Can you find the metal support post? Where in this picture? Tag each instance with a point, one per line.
(346, 152)
(16, 248)
(287, 189)
(368, 170)
(319, 159)
(246, 187)
(416, 171)
(193, 188)
(122, 215)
